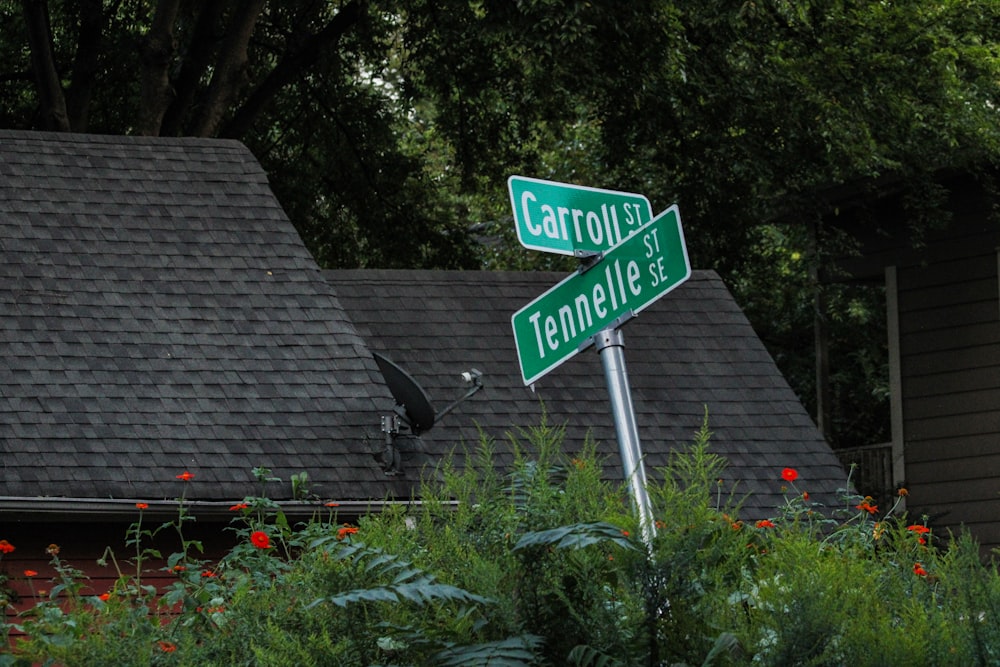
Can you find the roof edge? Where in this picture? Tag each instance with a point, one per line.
(42, 509)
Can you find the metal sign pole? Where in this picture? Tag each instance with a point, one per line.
(610, 345)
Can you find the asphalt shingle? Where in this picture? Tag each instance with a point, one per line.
(158, 312)
(691, 351)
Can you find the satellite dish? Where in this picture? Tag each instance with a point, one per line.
(413, 408)
(410, 396)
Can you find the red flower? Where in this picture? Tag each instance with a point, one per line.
(789, 474)
(238, 506)
(919, 570)
(625, 533)
(167, 647)
(260, 539)
(6, 547)
(30, 573)
(142, 506)
(333, 504)
(918, 529)
(345, 531)
(208, 574)
(104, 596)
(186, 476)
(765, 523)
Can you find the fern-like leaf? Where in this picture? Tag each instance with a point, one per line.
(588, 656)
(407, 583)
(512, 652)
(575, 536)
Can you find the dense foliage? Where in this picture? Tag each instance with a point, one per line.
(389, 127)
(541, 566)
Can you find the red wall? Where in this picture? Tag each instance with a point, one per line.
(82, 544)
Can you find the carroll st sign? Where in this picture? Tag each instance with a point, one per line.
(650, 262)
(573, 219)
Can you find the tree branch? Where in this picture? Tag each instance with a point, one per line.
(291, 67)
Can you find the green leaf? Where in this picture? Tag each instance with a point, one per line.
(575, 536)
(512, 652)
(588, 656)
(725, 644)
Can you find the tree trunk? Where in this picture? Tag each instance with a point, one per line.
(157, 52)
(51, 100)
(91, 29)
(196, 61)
(230, 68)
(821, 337)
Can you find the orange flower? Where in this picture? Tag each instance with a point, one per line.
(765, 523)
(805, 495)
(789, 474)
(208, 574)
(178, 568)
(30, 573)
(52, 550)
(260, 539)
(142, 506)
(919, 570)
(902, 492)
(186, 476)
(104, 596)
(6, 547)
(878, 530)
(625, 533)
(167, 647)
(238, 506)
(866, 506)
(345, 531)
(333, 504)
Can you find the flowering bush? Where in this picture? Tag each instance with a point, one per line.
(538, 566)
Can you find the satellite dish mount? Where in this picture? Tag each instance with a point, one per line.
(412, 415)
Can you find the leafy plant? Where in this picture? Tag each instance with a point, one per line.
(538, 565)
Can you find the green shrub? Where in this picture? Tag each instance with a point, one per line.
(540, 565)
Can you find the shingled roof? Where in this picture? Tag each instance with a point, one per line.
(692, 351)
(159, 313)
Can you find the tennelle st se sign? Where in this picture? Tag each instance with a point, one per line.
(632, 275)
(573, 219)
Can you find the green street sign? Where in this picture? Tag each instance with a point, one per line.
(631, 276)
(573, 219)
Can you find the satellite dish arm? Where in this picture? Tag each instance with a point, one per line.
(474, 376)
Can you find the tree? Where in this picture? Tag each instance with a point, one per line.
(305, 85)
(389, 127)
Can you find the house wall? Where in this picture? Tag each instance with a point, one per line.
(949, 346)
(81, 545)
